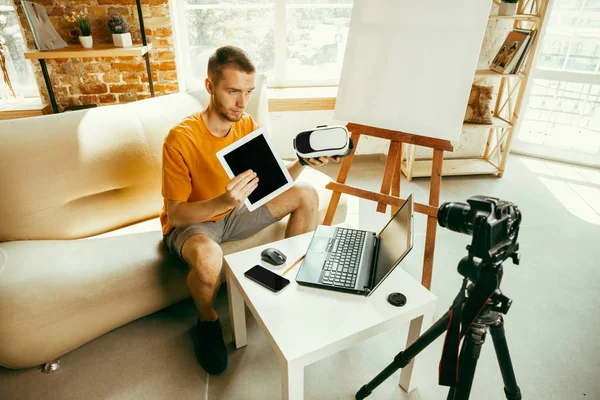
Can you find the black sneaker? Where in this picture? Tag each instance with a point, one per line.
(210, 348)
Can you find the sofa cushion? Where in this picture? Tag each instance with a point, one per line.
(56, 295)
(83, 173)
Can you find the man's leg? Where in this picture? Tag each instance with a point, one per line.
(302, 202)
(205, 258)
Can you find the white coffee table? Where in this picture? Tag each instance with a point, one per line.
(305, 324)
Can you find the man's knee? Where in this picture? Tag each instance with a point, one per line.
(204, 257)
(308, 195)
(302, 196)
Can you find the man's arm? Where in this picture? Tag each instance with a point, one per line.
(295, 169)
(181, 213)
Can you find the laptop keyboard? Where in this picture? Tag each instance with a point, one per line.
(341, 268)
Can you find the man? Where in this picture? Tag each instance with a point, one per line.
(203, 207)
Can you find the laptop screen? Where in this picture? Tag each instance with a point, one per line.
(396, 240)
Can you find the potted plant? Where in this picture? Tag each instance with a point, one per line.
(120, 31)
(82, 22)
(508, 7)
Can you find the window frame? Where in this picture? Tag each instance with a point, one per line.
(30, 91)
(561, 75)
(279, 79)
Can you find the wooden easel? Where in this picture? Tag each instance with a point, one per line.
(391, 181)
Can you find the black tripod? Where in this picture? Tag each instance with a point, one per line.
(488, 314)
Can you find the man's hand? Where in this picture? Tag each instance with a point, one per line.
(318, 162)
(239, 188)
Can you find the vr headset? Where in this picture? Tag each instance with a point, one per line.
(323, 141)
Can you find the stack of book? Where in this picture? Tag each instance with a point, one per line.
(512, 53)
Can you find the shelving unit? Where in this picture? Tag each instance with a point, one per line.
(99, 50)
(29, 107)
(302, 98)
(530, 15)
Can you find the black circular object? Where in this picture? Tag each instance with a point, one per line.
(397, 299)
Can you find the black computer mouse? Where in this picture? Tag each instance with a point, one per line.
(273, 256)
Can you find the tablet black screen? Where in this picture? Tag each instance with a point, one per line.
(257, 156)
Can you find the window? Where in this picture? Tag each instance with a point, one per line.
(295, 42)
(16, 47)
(562, 116)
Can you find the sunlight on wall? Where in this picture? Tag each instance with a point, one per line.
(576, 188)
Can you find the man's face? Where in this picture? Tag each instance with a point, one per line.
(231, 94)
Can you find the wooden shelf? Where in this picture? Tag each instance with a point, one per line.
(496, 123)
(302, 98)
(489, 72)
(99, 50)
(452, 167)
(29, 107)
(520, 17)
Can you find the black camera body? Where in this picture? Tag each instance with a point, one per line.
(493, 223)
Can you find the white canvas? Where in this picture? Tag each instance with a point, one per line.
(409, 65)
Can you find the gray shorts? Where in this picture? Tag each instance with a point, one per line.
(237, 225)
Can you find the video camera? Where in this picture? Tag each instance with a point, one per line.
(479, 304)
(493, 223)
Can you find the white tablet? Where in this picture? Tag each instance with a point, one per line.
(255, 151)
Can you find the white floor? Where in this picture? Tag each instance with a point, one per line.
(552, 328)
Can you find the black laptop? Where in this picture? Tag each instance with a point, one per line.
(357, 261)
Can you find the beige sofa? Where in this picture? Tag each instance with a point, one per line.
(80, 244)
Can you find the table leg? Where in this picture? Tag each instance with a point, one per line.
(292, 376)
(237, 312)
(416, 329)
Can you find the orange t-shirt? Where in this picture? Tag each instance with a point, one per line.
(190, 170)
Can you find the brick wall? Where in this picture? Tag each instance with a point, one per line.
(108, 80)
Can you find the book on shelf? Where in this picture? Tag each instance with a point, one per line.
(512, 51)
(519, 64)
(44, 34)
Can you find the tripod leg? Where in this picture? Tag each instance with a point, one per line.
(511, 389)
(469, 355)
(403, 358)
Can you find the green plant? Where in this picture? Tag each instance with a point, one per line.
(81, 20)
(117, 24)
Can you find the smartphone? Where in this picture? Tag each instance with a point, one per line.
(267, 278)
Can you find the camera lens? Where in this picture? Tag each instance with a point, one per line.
(454, 216)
